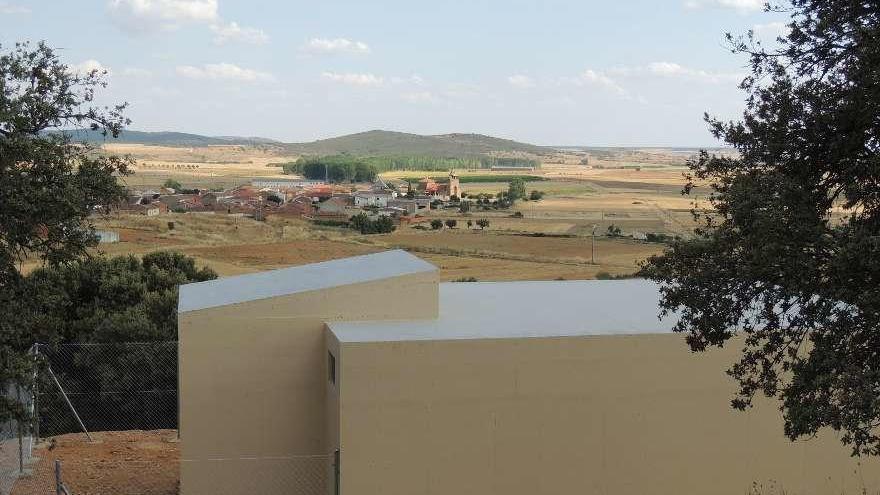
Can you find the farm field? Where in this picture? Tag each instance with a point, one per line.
(233, 246)
(578, 201)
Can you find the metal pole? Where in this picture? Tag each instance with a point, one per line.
(593, 246)
(36, 417)
(69, 404)
(59, 486)
(20, 448)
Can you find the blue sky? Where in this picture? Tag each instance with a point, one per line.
(576, 72)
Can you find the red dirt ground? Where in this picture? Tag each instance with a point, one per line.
(118, 463)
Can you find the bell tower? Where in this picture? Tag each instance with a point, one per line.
(454, 186)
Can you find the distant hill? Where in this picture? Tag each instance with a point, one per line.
(165, 138)
(384, 143)
(371, 143)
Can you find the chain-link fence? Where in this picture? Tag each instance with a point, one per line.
(16, 439)
(107, 387)
(104, 421)
(107, 412)
(282, 475)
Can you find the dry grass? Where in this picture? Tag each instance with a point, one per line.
(578, 199)
(233, 246)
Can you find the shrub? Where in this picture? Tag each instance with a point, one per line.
(607, 276)
(330, 223)
(172, 184)
(451, 223)
(483, 223)
(362, 223)
(436, 224)
(516, 189)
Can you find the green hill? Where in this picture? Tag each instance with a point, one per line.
(371, 143)
(387, 143)
(164, 138)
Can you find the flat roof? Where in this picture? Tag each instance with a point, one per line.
(316, 276)
(504, 310)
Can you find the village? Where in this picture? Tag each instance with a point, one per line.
(308, 199)
(354, 248)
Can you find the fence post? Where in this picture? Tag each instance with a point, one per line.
(20, 447)
(59, 490)
(36, 392)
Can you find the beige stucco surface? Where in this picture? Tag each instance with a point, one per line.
(253, 393)
(620, 415)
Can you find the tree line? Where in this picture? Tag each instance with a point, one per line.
(347, 168)
(335, 169)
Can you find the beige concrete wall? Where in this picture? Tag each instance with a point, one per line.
(253, 384)
(333, 400)
(620, 415)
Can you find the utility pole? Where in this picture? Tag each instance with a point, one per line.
(593, 246)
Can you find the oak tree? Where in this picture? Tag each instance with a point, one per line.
(49, 185)
(788, 256)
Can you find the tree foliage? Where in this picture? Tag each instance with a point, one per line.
(408, 162)
(49, 185)
(122, 299)
(790, 258)
(173, 184)
(362, 223)
(337, 168)
(118, 302)
(516, 190)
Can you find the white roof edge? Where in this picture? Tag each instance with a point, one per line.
(526, 309)
(286, 281)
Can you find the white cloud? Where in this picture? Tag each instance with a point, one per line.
(414, 79)
(10, 9)
(151, 15)
(742, 6)
(419, 97)
(146, 16)
(591, 77)
(674, 70)
(353, 79)
(770, 31)
(224, 33)
(136, 72)
(86, 67)
(224, 71)
(520, 81)
(324, 46)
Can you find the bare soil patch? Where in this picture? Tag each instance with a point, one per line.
(129, 462)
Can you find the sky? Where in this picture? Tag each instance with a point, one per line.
(550, 72)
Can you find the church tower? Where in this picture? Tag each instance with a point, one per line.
(454, 186)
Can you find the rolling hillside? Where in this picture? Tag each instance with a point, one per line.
(383, 143)
(165, 138)
(371, 143)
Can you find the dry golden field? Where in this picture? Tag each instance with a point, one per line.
(208, 166)
(578, 201)
(233, 245)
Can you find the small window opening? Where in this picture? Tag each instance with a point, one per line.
(331, 364)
